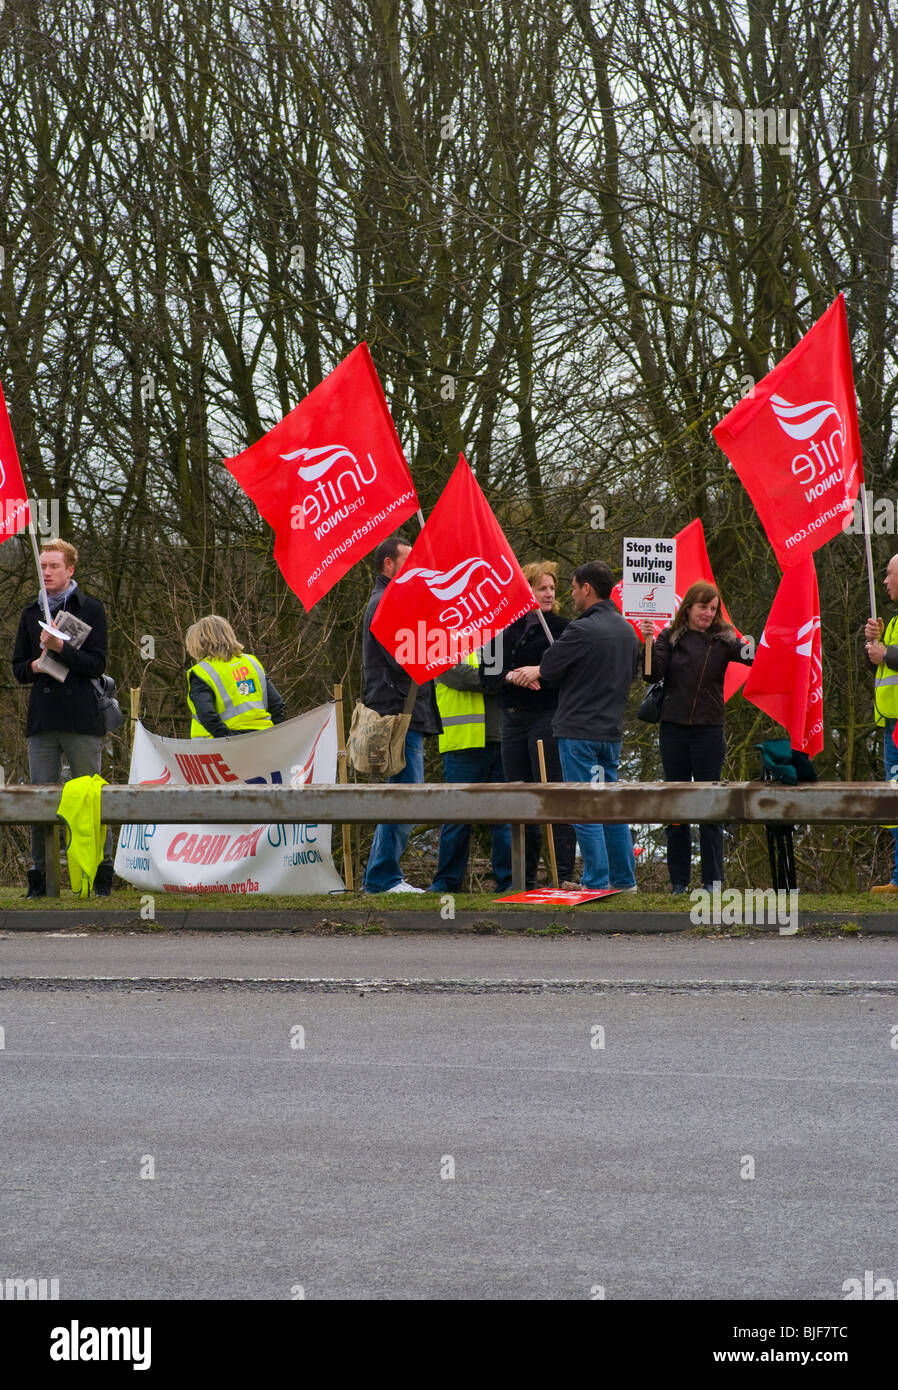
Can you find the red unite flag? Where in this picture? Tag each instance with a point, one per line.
(460, 585)
(331, 478)
(15, 513)
(693, 565)
(795, 443)
(786, 680)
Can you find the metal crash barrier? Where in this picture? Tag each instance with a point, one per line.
(517, 803)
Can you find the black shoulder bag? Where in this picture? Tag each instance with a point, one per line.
(650, 709)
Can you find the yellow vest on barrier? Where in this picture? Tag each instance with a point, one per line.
(463, 713)
(79, 807)
(240, 690)
(885, 687)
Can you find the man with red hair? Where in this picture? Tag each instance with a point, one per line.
(64, 719)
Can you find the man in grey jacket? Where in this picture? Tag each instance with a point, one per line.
(593, 663)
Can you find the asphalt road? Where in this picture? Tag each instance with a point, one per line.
(723, 1144)
(446, 956)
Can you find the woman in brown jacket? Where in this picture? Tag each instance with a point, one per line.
(691, 656)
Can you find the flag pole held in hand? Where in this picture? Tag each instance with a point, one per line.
(870, 581)
(343, 777)
(550, 838)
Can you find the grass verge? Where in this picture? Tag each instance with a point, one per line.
(130, 900)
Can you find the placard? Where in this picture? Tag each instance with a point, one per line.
(650, 578)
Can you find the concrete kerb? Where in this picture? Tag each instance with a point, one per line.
(476, 922)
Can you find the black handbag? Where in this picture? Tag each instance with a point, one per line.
(107, 703)
(650, 709)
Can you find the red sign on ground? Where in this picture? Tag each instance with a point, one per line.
(559, 897)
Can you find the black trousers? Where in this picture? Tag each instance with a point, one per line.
(520, 761)
(693, 753)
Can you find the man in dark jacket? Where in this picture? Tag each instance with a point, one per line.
(385, 686)
(64, 718)
(593, 663)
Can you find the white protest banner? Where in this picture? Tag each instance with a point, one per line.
(649, 578)
(246, 859)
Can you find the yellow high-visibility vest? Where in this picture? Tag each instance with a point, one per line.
(79, 807)
(463, 713)
(240, 690)
(885, 686)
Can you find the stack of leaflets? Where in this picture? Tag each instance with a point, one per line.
(76, 631)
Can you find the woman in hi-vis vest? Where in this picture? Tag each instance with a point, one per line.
(228, 691)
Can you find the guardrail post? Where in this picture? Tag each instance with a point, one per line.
(518, 862)
(51, 861)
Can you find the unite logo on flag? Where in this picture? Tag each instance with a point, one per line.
(803, 422)
(452, 596)
(807, 644)
(331, 500)
(456, 584)
(330, 478)
(473, 617)
(802, 495)
(806, 647)
(786, 680)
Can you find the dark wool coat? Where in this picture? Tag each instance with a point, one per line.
(68, 706)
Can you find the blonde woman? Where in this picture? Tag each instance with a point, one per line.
(228, 691)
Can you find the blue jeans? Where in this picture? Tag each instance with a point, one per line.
(388, 846)
(607, 849)
(890, 762)
(471, 765)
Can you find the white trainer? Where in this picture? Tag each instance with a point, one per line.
(403, 887)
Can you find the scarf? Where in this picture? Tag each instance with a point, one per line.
(57, 601)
